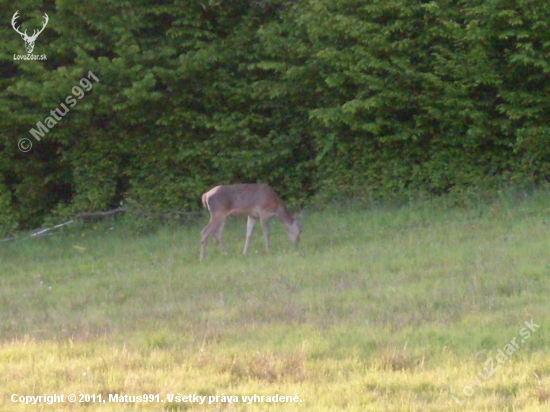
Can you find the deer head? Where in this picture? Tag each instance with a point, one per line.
(29, 40)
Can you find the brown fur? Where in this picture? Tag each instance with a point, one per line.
(257, 201)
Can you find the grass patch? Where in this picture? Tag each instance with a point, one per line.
(380, 308)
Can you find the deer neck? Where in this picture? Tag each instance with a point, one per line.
(284, 216)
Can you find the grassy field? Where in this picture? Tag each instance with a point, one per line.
(413, 308)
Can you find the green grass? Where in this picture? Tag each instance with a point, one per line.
(379, 309)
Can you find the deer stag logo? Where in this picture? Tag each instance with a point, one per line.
(29, 40)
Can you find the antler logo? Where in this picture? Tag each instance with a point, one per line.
(29, 40)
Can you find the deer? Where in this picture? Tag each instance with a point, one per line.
(29, 40)
(257, 201)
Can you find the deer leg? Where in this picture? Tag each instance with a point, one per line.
(265, 226)
(214, 229)
(204, 239)
(217, 233)
(251, 222)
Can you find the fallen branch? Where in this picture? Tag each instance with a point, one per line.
(38, 232)
(188, 215)
(100, 215)
(103, 215)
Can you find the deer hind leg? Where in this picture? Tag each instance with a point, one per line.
(214, 229)
(204, 239)
(217, 233)
(265, 226)
(251, 222)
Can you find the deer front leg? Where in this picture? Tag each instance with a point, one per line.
(251, 222)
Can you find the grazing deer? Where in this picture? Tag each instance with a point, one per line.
(257, 201)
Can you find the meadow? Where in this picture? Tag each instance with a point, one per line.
(417, 307)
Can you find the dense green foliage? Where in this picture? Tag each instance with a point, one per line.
(337, 98)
